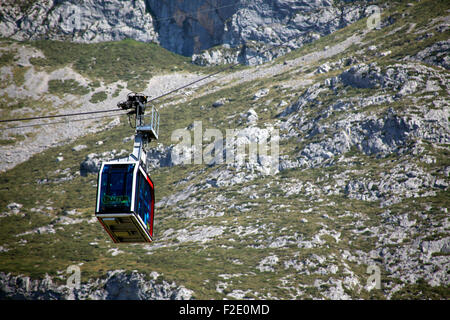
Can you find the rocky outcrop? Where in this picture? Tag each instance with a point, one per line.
(78, 21)
(157, 157)
(242, 31)
(93, 161)
(118, 285)
(373, 134)
(188, 27)
(262, 30)
(436, 54)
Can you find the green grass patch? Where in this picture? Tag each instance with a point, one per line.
(6, 58)
(98, 97)
(127, 60)
(422, 290)
(70, 86)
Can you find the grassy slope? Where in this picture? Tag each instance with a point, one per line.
(194, 265)
(128, 60)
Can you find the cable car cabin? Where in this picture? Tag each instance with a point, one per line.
(125, 201)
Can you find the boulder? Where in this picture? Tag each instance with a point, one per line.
(260, 93)
(79, 147)
(219, 103)
(91, 164)
(250, 116)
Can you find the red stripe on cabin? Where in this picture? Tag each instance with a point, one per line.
(150, 181)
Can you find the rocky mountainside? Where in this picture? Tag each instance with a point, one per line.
(355, 205)
(118, 285)
(242, 29)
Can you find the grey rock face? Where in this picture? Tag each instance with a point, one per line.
(372, 135)
(246, 29)
(430, 247)
(118, 285)
(436, 54)
(254, 33)
(380, 134)
(308, 96)
(134, 286)
(187, 27)
(251, 116)
(406, 79)
(386, 134)
(79, 21)
(90, 165)
(160, 156)
(262, 20)
(362, 76)
(93, 161)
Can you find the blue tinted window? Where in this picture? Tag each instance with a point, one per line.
(116, 188)
(144, 200)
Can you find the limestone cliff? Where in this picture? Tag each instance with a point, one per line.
(184, 27)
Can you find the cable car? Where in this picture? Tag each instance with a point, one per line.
(125, 192)
(125, 202)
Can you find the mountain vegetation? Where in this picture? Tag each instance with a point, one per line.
(362, 180)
